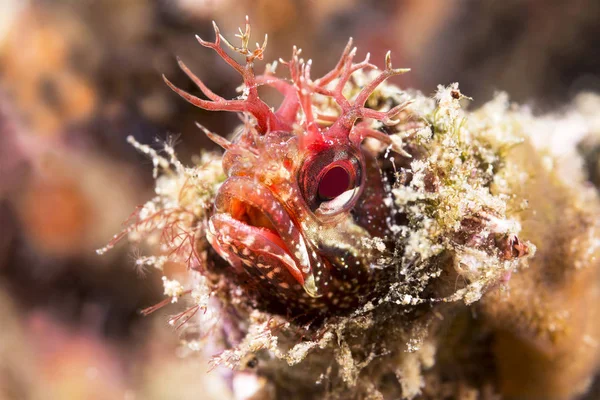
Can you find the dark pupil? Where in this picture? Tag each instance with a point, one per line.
(335, 182)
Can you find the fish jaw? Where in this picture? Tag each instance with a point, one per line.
(253, 231)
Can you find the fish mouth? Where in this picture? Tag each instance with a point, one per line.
(251, 223)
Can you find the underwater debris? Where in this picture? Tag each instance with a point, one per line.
(363, 241)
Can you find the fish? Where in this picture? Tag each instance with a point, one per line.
(304, 202)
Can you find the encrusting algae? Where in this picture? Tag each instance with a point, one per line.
(364, 241)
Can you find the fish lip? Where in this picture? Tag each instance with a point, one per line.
(255, 194)
(230, 232)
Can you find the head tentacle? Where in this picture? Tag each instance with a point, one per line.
(249, 102)
(314, 127)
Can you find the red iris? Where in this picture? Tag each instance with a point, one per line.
(333, 183)
(326, 175)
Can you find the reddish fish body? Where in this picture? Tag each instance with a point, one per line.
(271, 225)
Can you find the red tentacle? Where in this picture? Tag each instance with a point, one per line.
(250, 102)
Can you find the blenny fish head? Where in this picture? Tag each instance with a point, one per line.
(302, 200)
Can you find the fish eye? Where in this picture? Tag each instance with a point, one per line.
(331, 181)
(334, 182)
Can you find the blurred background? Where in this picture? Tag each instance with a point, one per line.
(78, 76)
